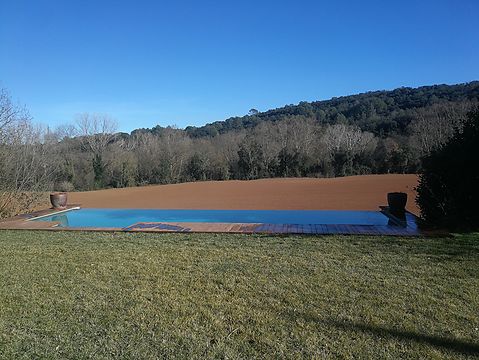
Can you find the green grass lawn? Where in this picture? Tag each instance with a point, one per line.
(110, 295)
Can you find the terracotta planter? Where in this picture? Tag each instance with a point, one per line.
(397, 202)
(59, 200)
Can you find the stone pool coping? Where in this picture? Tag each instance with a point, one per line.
(398, 227)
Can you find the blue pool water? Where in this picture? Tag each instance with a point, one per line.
(120, 218)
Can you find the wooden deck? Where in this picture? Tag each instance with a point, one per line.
(21, 221)
(311, 229)
(396, 227)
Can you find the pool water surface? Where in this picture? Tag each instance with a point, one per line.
(121, 218)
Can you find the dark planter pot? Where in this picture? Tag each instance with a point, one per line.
(59, 200)
(397, 202)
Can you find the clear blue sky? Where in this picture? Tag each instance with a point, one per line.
(194, 62)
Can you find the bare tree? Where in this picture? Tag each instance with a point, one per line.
(227, 146)
(24, 162)
(435, 125)
(96, 131)
(266, 136)
(9, 113)
(146, 147)
(177, 146)
(349, 139)
(344, 144)
(299, 134)
(65, 131)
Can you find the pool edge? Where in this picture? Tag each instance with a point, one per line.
(22, 222)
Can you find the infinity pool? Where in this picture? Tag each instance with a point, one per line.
(120, 218)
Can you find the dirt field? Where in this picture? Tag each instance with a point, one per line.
(347, 193)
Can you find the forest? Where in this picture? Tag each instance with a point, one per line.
(370, 133)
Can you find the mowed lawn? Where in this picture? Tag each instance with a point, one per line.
(125, 295)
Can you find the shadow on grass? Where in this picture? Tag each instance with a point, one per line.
(445, 343)
(441, 342)
(448, 344)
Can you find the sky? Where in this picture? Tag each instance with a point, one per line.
(193, 62)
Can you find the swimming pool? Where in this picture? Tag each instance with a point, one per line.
(121, 218)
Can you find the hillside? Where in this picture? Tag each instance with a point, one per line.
(380, 112)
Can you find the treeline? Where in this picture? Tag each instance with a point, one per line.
(380, 132)
(384, 113)
(292, 147)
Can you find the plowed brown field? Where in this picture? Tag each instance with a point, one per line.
(366, 192)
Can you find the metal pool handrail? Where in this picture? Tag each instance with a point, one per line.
(55, 213)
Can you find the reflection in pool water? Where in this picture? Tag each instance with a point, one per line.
(60, 218)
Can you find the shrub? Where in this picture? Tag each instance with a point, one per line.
(448, 190)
